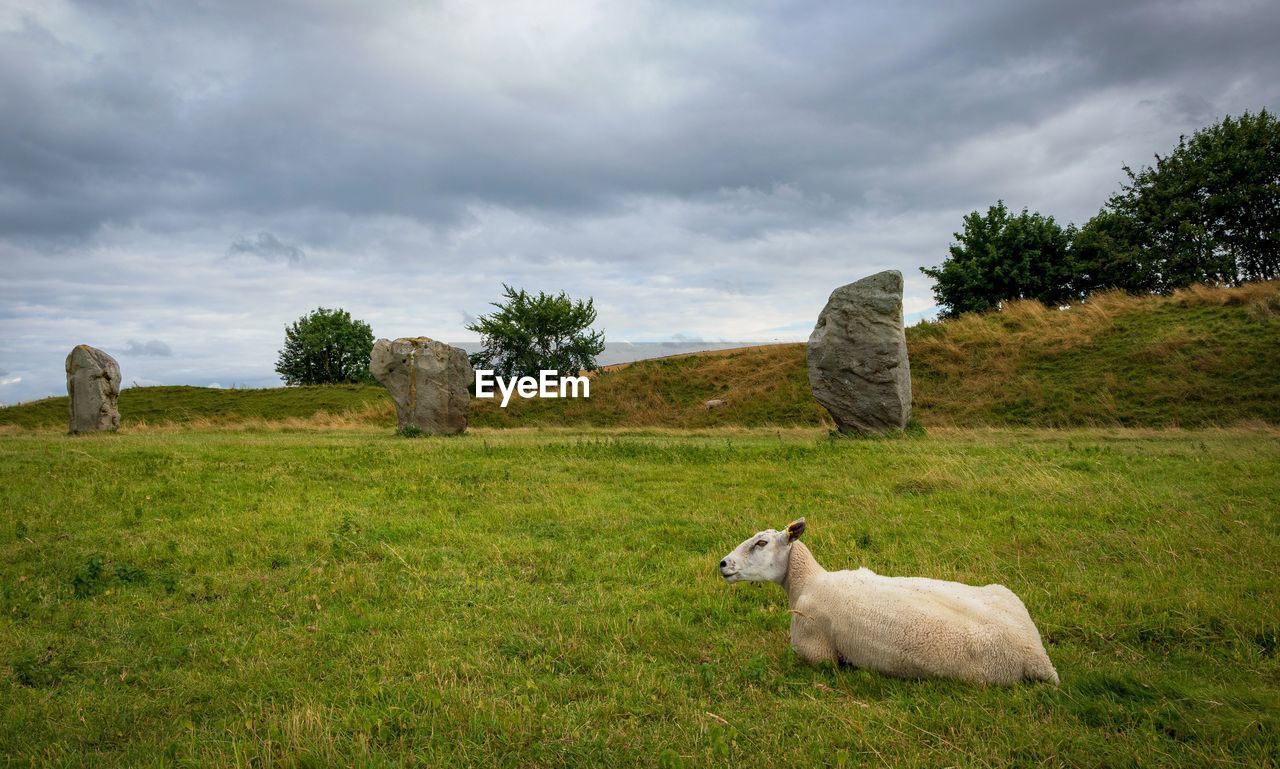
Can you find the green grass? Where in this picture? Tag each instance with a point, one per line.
(511, 598)
(1201, 357)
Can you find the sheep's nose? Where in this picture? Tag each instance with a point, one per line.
(723, 563)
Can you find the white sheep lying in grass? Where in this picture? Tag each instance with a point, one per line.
(902, 626)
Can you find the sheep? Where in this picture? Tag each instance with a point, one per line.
(907, 627)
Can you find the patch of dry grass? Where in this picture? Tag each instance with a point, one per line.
(760, 386)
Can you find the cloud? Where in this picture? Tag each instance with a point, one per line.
(707, 169)
(152, 348)
(269, 247)
(912, 318)
(143, 114)
(680, 338)
(799, 327)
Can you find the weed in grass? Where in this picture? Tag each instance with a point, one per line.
(87, 580)
(129, 574)
(342, 543)
(39, 670)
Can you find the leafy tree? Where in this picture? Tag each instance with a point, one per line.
(1208, 212)
(999, 257)
(529, 333)
(325, 347)
(1104, 256)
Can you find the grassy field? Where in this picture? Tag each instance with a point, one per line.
(1202, 356)
(515, 598)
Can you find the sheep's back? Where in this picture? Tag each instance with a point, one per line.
(915, 626)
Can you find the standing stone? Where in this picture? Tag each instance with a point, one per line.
(858, 367)
(428, 380)
(93, 384)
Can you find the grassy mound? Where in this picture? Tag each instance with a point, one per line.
(1200, 356)
(760, 385)
(1204, 355)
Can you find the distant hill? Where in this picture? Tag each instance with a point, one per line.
(1201, 356)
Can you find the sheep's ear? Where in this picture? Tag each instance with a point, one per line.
(795, 529)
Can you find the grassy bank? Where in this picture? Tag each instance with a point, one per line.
(516, 598)
(204, 406)
(1202, 356)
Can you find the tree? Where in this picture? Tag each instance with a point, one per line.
(1208, 212)
(1104, 256)
(529, 333)
(325, 347)
(999, 257)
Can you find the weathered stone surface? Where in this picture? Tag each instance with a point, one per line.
(428, 381)
(93, 384)
(858, 366)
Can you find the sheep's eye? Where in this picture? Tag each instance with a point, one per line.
(761, 543)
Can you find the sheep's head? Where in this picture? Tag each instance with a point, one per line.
(762, 557)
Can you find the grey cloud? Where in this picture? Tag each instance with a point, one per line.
(153, 348)
(269, 247)
(711, 168)
(830, 97)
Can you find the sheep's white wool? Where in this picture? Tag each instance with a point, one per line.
(909, 627)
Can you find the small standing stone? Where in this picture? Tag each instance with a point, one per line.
(858, 366)
(428, 380)
(93, 384)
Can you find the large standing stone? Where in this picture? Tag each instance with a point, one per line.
(857, 354)
(93, 382)
(428, 380)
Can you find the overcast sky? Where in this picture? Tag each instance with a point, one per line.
(180, 180)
